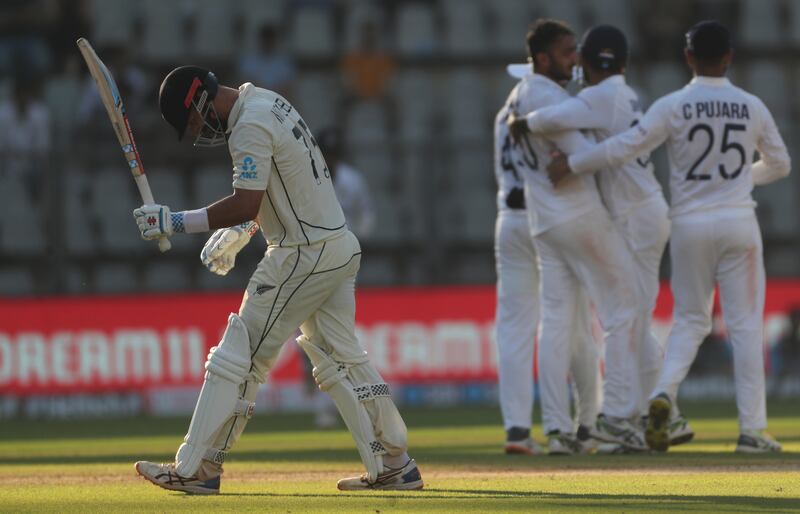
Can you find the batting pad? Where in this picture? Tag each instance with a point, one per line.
(355, 416)
(227, 365)
(367, 408)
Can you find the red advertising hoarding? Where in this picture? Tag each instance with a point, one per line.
(135, 343)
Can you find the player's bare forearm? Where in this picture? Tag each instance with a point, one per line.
(240, 207)
(517, 127)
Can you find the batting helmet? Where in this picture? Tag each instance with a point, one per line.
(183, 89)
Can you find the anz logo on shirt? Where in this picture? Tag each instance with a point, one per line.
(248, 168)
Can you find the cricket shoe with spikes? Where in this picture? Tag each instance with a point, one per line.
(525, 446)
(562, 444)
(399, 479)
(756, 441)
(619, 449)
(657, 432)
(620, 431)
(679, 431)
(164, 476)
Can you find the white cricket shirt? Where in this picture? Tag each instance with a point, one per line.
(547, 206)
(508, 160)
(607, 108)
(273, 150)
(712, 130)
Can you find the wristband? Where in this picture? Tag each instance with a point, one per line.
(176, 221)
(193, 222)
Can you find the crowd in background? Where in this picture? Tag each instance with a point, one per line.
(408, 87)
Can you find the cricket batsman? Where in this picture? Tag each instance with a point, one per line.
(306, 279)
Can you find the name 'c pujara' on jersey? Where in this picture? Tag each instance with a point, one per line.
(715, 109)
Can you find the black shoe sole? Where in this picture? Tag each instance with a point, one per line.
(657, 432)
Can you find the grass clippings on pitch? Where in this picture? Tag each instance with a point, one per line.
(280, 465)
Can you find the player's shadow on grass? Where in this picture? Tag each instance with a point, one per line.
(483, 455)
(651, 503)
(638, 501)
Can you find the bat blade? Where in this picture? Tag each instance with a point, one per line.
(112, 101)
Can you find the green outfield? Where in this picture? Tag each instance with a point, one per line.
(282, 466)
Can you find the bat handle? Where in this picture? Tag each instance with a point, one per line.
(147, 197)
(164, 244)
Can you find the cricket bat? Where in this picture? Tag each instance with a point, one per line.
(109, 94)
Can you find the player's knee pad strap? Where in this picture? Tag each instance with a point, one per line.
(227, 366)
(368, 392)
(329, 372)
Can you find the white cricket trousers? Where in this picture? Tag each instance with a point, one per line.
(724, 247)
(646, 228)
(588, 252)
(516, 322)
(311, 287)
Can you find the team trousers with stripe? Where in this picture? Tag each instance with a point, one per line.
(311, 287)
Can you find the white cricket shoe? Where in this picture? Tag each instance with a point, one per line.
(679, 431)
(618, 449)
(164, 476)
(527, 446)
(620, 431)
(562, 444)
(400, 479)
(754, 441)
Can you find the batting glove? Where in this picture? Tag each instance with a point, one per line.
(219, 252)
(156, 221)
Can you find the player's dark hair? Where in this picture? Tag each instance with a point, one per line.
(544, 32)
(708, 41)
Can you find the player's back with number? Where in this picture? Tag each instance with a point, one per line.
(273, 149)
(712, 130)
(715, 128)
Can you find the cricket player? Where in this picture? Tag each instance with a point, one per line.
(633, 196)
(517, 315)
(578, 246)
(306, 279)
(712, 129)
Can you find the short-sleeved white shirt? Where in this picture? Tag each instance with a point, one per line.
(273, 150)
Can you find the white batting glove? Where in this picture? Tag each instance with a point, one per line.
(156, 221)
(219, 252)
